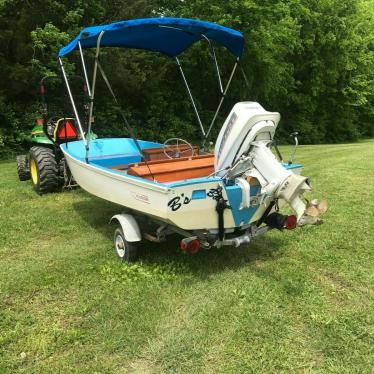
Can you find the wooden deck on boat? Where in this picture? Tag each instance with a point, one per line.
(174, 169)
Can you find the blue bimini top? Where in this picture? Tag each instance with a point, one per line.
(170, 36)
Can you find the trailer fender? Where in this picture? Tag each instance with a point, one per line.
(130, 227)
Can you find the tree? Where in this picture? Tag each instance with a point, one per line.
(311, 60)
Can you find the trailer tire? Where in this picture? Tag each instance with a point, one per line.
(126, 251)
(23, 168)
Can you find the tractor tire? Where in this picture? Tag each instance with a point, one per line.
(43, 170)
(23, 168)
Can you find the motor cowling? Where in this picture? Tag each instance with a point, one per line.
(247, 122)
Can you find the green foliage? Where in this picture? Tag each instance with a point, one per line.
(47, 41)
(123, 274)
(313, 61)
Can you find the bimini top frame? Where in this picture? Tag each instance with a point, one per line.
(170, 36)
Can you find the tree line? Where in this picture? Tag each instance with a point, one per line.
(311, 60)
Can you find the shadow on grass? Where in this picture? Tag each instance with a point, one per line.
(97, 214)
(214, 260)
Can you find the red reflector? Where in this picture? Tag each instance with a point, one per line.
(67, 130)
(189, 246)
(290, 223)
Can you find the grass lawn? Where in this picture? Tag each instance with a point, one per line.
(300, 301)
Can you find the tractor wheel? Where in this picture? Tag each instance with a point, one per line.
(23, 168)
(43, 170)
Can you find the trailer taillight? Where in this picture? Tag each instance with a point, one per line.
(190, 245)
(290, 222)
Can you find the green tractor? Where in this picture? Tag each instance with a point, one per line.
(45, 164)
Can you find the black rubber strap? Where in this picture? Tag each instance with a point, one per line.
(220, 209)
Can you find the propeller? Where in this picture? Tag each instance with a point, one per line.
(314, 210)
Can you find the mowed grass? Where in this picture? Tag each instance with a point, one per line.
(300, 301)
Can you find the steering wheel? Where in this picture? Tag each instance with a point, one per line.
(173, 149)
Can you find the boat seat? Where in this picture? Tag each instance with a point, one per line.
(158, 154)
(153, 154)
(171, 170)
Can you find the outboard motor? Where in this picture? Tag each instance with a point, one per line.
(242, 152)
(247, 121)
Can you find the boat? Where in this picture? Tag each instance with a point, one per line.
(212, 199)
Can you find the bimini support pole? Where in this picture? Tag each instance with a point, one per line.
(94, 78)
(84, 70)
(221, 101)
(191, 97)
(213, 53)
(72, 100)
(92, 95)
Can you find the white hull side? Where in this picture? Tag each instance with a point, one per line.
(151, 199)
(112, 187)
(198, 214)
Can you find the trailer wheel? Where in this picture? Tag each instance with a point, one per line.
(126, 251)
(43, 169)
(23, 168)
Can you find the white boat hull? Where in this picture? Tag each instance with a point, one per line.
(152, 199)
(188, 204)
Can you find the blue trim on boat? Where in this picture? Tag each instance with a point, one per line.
(107, 147)
(198, 194)
(113, 162)
(118, 155)
(292, 166)
(234, 195)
